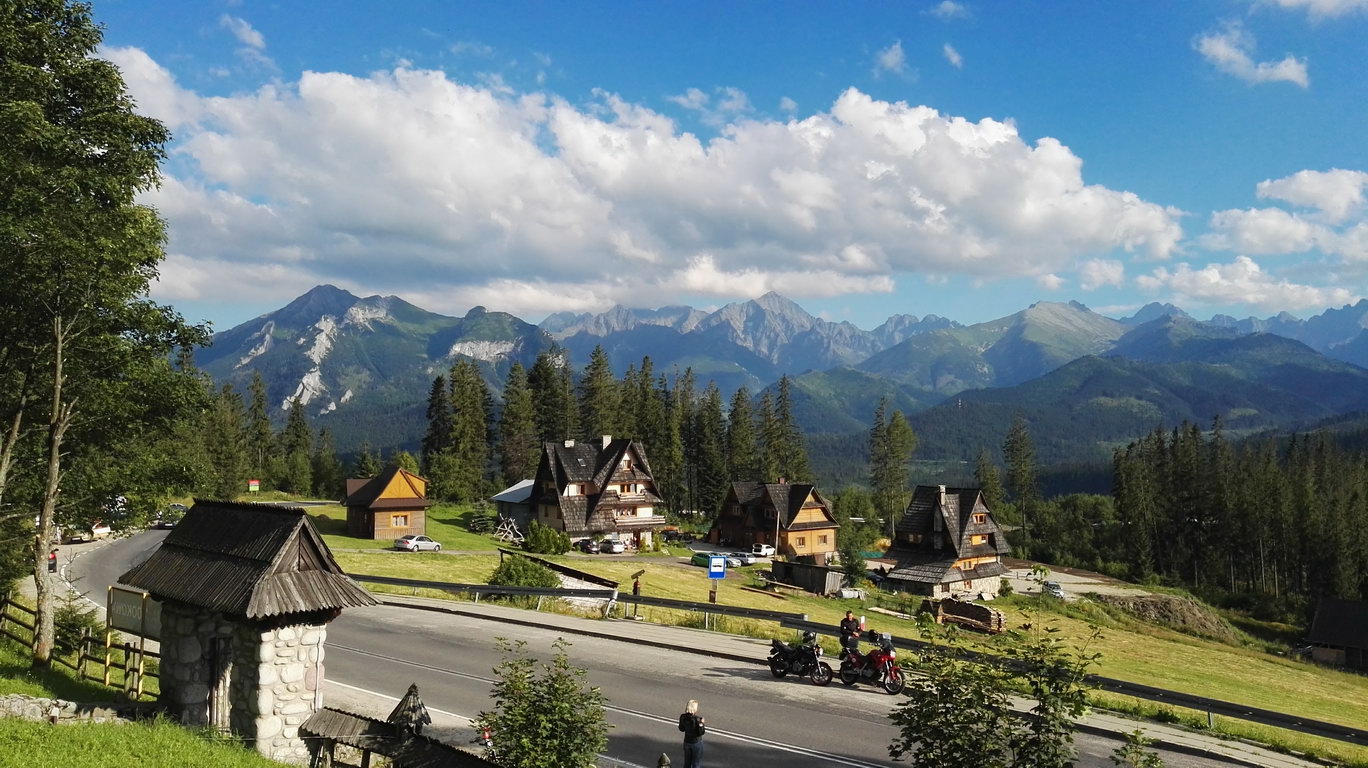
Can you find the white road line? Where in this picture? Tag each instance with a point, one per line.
(741, 737)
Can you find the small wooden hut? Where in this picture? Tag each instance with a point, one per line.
(392, 504)
(398, 737)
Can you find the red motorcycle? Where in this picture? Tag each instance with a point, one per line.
(878, 666)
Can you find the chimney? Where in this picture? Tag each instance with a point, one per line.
(606, 440)
(782, 480)
(569, 443)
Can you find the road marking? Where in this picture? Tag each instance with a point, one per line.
(754, 740)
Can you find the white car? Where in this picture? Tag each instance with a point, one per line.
(415, 543)
(746, 558)
(612, 546)
(762, 550)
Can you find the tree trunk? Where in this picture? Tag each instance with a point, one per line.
(12, 439)
(58, 422)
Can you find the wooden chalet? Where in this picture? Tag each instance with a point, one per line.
(244, 560)
(947, 543)
(1339, 633)
(597, 488)
(792, 517)
(390, 505)
(398, 737)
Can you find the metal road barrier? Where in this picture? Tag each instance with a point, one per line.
(1234, 711)
(483, 589)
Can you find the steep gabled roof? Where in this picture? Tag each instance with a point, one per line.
(592, 462)
(955, 507)
(252, 560)
(786, 498)
(367, 494)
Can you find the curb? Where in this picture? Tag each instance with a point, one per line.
(1174, 746)
(587, 633)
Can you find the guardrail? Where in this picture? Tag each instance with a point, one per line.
(1308, 726)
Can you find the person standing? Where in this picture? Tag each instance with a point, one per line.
(692, 725)
(850, 632)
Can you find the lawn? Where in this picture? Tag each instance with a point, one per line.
(1130, 650)
(446, 524)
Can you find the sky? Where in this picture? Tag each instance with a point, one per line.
(955, 157)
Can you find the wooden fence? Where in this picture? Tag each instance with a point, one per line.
(105, 660)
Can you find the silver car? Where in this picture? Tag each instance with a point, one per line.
(416, 543)
(746, 558)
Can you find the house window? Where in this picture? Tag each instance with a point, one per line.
(398, 521)
(822, 539)
(980, 518)
(802, 541)
(979, 539)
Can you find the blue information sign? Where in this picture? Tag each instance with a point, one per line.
(717, 567)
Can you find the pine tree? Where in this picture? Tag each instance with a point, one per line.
(552, 396)
(296, 448)
(1019, 452)
(770, 435)
(891, 442)
(327, 470)
(404, 460)
(652, 405)
(469, 451)
(226, 444)
(365, 465)
(743, 456)
(261, 447)
(629, 405)
(439, 422)
(792, 449)
(518, 444)
(668, 457)
(712, 452)
(685, 403)
(598, 397)
(989, 480)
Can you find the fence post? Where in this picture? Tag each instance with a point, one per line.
(4, 609)
(108, 653)
(540, 598)
(81, 652)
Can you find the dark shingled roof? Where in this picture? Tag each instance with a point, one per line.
(785, 497)
(252, 560)
(365, 493)
(1340, 623)
(924, 562)
(408, 750)
(591, 462)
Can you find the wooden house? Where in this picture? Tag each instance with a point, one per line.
(792, 517)
(1339, 633)
(390, 505)
(947, 543)
(597, 488)
(515, 503)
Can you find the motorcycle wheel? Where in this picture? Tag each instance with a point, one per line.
(821, 675)
(778, 668)
(849, 675)
(893, 682)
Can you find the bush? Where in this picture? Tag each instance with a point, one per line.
(517, 571)
(481, 518)
(70, 619)
(1004, 587)
(546, 541)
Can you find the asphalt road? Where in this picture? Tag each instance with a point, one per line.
(753, 719)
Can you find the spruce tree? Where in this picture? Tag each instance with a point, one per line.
(327, 470)
(629, 405)
(470, 401)
(686, 405)
(440, 415)
(743, 456)
(296, 449)
(518, 444)
(711, 433)
(668, 457)
(791, 451)
(769, 435)
(652, 404)
(891, 443)
(261, 447)
(598, 397)
(1019, 452)
(989, 480)
(225, 442)
(365, 464)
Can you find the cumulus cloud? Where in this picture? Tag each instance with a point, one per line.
(1323, 9)
(1241, 282)
(953, 56)
(1050, 281)
(1231, 50)
(716, 109)
(946, 10)
(1095, 273)
(243, 31)
(1336, 193)
(518, 198)
(891, 60)
(788, 105)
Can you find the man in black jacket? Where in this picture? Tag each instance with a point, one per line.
(850, 632)
(692, 726)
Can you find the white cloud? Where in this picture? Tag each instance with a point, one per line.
(1261, 231)
(946, 10)
(1050, 282)
(1231, 50)
(1323, 9)
(1095, 273)
(243, 31)
(1336, 192)
(729, 104)
(953, 56)
(788, 105)
(472, 48)
(891, 60)
(1241, 282)
(489, 193)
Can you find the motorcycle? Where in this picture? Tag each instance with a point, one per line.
(878, 666)
(802, 659)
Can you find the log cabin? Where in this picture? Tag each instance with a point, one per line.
(792, 517)
(597, 488)
(390, 505)
(947, 543)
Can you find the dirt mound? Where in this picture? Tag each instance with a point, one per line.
(1180, 613)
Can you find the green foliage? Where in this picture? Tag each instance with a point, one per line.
(743, 456)
(439, 422)
(545, 540)
(544, 714)
(787, 446)
(853, 509)
(72, 619)
(958, 712)
(1135, 753)
(296, 451)
(405, 460)
(519, 448)
(225, 443)
(464, 478)
(517, 571)
(598, 397)
(482, 518)
(891, 443)
(365, 464)
(711, 452)
(327, 469)
(1019, 451)
(552, 396)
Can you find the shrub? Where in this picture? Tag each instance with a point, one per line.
(546, 541)
(1005, 587)
(517, 571)
(481, 518)
(71, 618)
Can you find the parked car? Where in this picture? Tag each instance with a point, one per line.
(701, 558)
(1053, 589)
(732, 560)
(612, 546)
(170, 516)
(746, 558)
(416, 543)
(762, 550)
(588, 546)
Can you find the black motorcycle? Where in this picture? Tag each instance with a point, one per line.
(804, 658)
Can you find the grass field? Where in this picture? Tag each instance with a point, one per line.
(1131, 650)
(446, 524)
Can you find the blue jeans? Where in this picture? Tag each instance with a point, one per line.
(693, 755)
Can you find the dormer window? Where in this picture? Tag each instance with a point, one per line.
(980, 518)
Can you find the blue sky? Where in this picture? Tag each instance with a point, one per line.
(957, 158)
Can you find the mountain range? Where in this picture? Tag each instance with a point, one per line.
(1085, 381)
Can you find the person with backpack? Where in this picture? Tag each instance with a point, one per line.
(692, 726)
